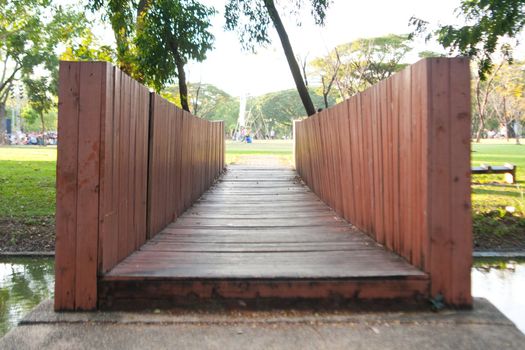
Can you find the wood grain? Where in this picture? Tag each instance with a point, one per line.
(408, 153)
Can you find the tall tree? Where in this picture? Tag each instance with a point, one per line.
(508, 97)
(172, 32)
(252, 18)
(487, 22)
(357, 65)
(30, 37)
(277, 111)
(156, 38)
(482, 91)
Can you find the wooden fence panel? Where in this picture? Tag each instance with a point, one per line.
(399, 154)
(119, 181)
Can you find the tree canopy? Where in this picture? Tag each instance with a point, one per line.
(488, 21)
(355, 66)
(155, 39)
(30, 32)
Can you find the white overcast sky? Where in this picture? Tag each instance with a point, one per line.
(238, 72)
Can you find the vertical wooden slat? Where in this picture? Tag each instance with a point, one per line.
(107, 213)
(439, 172)
(88, 186)
(66, 201)
(123, 168)
(460, 205)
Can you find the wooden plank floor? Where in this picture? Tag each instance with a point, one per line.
(259, 233)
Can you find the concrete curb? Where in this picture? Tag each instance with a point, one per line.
(475, 254)
(27, 254)
(484, 327)
(493, 254)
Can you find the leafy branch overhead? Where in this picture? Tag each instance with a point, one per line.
(252, 20)
(156, 38)
(490, 23)
(30, 33)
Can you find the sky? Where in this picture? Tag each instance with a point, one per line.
(242, 73)
(238, 72)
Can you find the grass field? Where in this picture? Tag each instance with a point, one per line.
(280, 148)
(27, 181)
(27, 184)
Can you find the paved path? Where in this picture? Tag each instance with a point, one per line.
(484, 328)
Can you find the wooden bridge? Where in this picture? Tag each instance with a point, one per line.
(378, 211)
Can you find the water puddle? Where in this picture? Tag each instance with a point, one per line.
(24, 283)
(503, 283)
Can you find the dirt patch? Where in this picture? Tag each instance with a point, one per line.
(37, 234)
(497, 230)
(491, 232)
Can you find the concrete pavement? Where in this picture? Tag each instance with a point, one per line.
(482, 328)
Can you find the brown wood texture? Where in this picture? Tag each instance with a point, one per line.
(185, 156)
(398, 155)
(285, 249)
(116, 178)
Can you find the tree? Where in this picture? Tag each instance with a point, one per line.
(170, 34)
(251, 19)
(508, 97)
(355, 66)
(482, 91)
(41, 94)
(88, 49)
(29, 38)
(156, 38)
(327, 68)
(277, 111)
(208, 102)
(488, 21)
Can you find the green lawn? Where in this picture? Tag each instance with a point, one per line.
(281, 148)
(489, 196)
(492, 196)
(27, 181)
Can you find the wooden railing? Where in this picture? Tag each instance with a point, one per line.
(119, 181)
(185, 158)
(395, 161)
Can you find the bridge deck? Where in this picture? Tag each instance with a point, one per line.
(259, 234)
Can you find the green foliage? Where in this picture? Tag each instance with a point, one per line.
(30, 32)
(429, 54)
(32, 121)
(88, 49)
(156, 38)
(251, 19)
(171, 33)
(488, 21)
(277, 111)
(27, 181)
(122, 15)
(362, 63)
(209, 102)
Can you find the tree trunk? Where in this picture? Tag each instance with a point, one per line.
(517, 131)
(292, 62)
(183, 88)
(2, 124)
(481, 127)
(43, 129)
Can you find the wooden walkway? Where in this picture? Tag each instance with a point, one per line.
(259, 235)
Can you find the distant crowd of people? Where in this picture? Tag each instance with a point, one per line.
(244, 135)
(32, 138)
